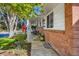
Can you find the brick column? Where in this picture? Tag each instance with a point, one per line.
(68, 27)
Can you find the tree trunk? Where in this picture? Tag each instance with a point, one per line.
(15, 27)
(11, 21)
(11, 33)
(6, 22)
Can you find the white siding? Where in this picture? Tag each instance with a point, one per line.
(58, 17)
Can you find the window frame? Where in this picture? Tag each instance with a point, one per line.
(50, 23)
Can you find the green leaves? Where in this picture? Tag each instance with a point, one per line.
(22, 10)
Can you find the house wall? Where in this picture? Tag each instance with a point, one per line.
(61, 40)
(75, 12)
(58, 17)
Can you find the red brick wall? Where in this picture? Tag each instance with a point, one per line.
(66, 42)
(61, 40)
(75, 25)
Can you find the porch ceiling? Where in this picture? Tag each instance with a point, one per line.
(48, 7)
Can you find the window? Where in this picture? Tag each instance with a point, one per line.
(50, 21)
(43, 22)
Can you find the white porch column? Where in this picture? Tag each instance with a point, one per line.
(29, 36)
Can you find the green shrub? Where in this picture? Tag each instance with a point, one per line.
(33, 27)
(20, 37)
(41, 36)
(5, 42)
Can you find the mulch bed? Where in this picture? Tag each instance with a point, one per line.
(13, 52)
(17, 52)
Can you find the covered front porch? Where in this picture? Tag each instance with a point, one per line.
(39, 47)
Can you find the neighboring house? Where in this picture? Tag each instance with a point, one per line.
(60, 26)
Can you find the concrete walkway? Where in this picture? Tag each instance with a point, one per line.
(38, 49)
